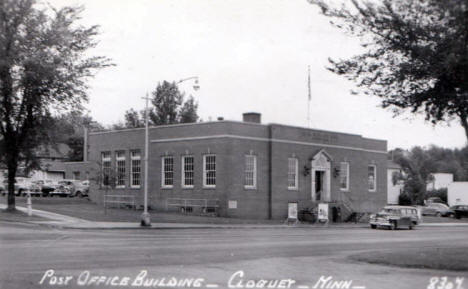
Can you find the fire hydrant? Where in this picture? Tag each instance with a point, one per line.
(29, 204)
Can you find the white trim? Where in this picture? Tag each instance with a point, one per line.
(375, 177)
(347, 177)
(296, 172)
(254, 186)
(118, 159)
(204, 171)
(163, 175)
(135, 158)
(264, 139)
(182, 179)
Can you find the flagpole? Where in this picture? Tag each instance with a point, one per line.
(309, 96)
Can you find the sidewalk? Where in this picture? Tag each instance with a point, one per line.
(66, 222)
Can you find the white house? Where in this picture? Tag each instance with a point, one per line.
(393, 190)
(440, 181)
(457, 193)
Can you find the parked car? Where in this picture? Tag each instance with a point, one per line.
(23, 186)
(47, 186)
(460, 211)
(394, 217)
(65, 188)
(81, 188)
(437, 209)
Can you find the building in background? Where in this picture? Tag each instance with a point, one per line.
(457, 193)
(439, 181)
(239, 169)
(394, 186)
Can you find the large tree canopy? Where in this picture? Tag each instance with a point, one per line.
(416, 54)
(44, 66)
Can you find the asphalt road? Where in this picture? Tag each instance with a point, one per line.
(209, 258)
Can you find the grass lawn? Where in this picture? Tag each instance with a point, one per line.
(18, 216)
(85, 209)
(454, 259)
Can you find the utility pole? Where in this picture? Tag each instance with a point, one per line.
(145, 217)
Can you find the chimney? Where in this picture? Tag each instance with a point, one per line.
(253, 117)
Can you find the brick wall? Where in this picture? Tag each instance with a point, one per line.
(231, 142)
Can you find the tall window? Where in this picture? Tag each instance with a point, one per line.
(135, 169)
(372, 175)
(120, 168)
(167, 176)
(106, 168)
(187, 171)
(250, 172)
(209, 171)
(344, 176)
(293, 169)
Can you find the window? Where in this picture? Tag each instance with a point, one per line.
(372, 176)
(167, 176)
(187, 171)
(106, 168)
(120, 169)
(293, 169)
(209, 171)
(135, 169)
(76, 175)
(250, 172)
(344, 176)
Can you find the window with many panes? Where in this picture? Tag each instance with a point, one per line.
(372, 176)
(106, 168)
(250, 180)
(293, 168)
(135, 168)
(344, 176)
(187, 171)
(167, 172)
(120, 168)
(209, 171)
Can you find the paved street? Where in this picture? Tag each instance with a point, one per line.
(301, 255)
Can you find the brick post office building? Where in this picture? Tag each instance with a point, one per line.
(241, 169)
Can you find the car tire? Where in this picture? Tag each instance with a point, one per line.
(438, 215)
(373, 226)
(411, 227)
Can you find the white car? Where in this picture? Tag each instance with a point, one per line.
(65, 188)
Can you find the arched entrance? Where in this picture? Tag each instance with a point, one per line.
(321, 181)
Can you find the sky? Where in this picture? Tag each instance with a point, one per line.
(249, 56)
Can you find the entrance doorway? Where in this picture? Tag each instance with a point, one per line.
(319, 187)
(321, 164)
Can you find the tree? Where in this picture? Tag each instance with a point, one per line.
(44, 65)
(133, 119)
(416, 54)
(166, 101)
(168, 107)
(188, 111)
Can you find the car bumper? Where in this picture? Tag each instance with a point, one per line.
(380, 223)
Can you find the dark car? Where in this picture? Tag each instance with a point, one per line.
(393, 217)
(460, 211)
